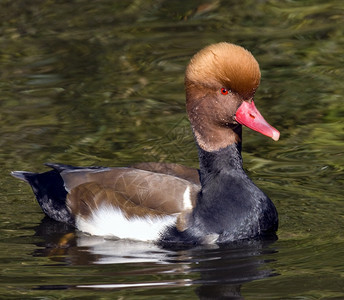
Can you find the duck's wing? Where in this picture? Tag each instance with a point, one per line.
(127, 202)
(134, 191)
(180, 171)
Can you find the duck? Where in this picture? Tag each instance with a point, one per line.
(168, 203)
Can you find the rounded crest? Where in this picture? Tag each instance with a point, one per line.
(225, 65)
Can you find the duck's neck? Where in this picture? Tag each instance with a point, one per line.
(220, 161)
(212, 163)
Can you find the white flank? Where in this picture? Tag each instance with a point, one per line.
(186, 199)
(110, 221)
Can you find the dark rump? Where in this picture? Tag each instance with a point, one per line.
(50, 193)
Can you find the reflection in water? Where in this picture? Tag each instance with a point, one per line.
(216, 271)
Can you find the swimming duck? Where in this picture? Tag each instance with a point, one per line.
(170, 203)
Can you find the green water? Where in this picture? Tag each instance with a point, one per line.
(101, 83)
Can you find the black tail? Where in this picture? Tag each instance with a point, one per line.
(50, 193)
(22, 175)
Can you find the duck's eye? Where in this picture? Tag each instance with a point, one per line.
(224, 91)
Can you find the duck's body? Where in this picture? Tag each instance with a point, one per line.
(170, 203)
